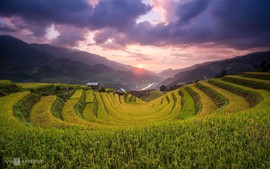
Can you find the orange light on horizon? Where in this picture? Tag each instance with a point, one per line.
(140, 66)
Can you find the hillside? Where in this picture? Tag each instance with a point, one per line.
(92, 59)
(221, 122)
(168, 73)
(259, 61)
(80, 56)
(151, 95)
(22, 62)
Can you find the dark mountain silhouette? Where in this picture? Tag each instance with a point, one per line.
(259, 61)
(168, 73)
(22, 62)
(80, 56)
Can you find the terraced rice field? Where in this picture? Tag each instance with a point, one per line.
(220, 123)
(37, 85)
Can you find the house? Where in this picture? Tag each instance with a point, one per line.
(121, 91)
(93, 85)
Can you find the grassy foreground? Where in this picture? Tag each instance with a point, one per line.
(168, 132)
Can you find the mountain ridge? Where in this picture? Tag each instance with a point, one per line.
(235, 65)
(81, 56)
(22, 62)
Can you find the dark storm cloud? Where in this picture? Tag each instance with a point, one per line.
(190, 10)
(119, 39)
(107, 13)
(69, 36)
(117, 13)
(38, 29)
(239, 24)
(57, 11)
(245, 23)
(37, 15)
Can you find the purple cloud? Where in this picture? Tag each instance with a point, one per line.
(37, 15)
(241, 24)
(117, 13)
(48, 11)
(238, 24)
(69, 36)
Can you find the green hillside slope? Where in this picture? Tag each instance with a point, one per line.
(220, 123)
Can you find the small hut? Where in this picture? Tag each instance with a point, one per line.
(121, 91)
(93, 85)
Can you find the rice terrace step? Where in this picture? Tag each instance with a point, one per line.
(135, 84)
(111, 129)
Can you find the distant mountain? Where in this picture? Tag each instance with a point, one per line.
(15, 51)
(168, 73)
(259, 61)
(87, 58)
(80, 56)
(21, 62)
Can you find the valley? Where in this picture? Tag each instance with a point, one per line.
(135, 84)
(222, 121)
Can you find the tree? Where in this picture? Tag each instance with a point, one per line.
(223, 73)
(176, 86)
(163, 88)
(102, 89)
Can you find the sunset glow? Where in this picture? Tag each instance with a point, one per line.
(135, 83)
(140, 66)
(160, 33)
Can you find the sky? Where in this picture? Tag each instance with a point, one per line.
(154, 34)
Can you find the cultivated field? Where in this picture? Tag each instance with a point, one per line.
(219, 123)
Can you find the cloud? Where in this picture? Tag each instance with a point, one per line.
(117, 13)
(139, 56)
(241, 24)
(37, 30)
(69, 36)
(6, 26)
(47, 11)
(37, 15)
(190, 10)
(110, 38)
(103, 13)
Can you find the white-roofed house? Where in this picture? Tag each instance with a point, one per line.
(121, 91)
(93, 85)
